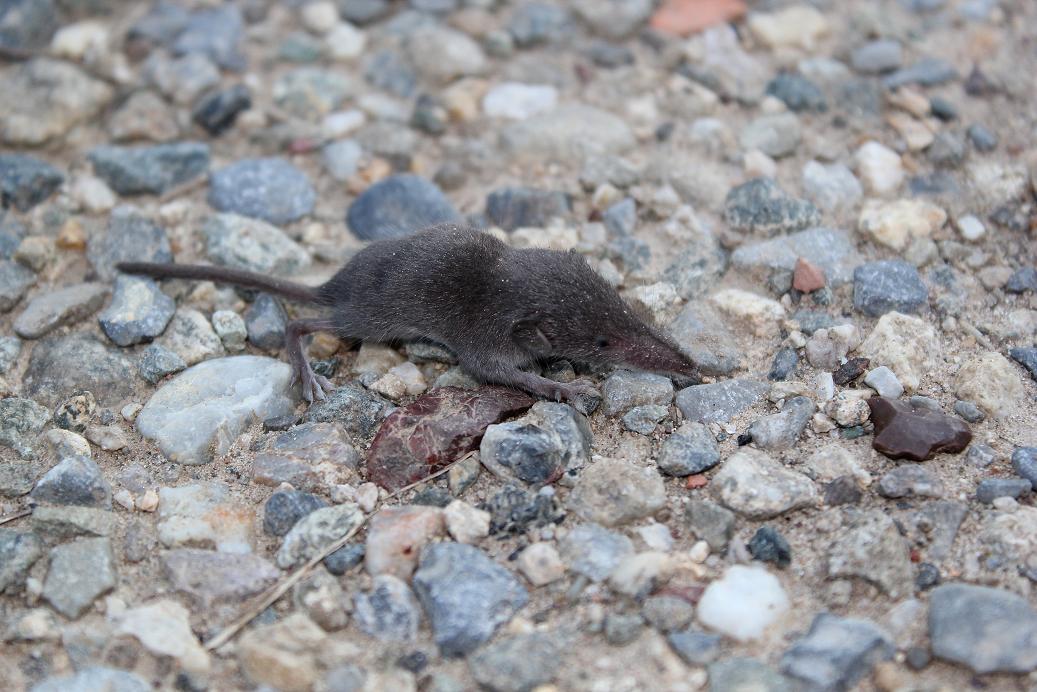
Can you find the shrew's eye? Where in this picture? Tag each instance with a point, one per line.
(602, 342)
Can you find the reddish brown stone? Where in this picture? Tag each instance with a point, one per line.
(696, 481)
(685, 17)
(416, 440)
(919, 434)
(807, 277)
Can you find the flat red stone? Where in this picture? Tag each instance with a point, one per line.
(807, 277)
(417, 440)
(905, 432)
(685, 17)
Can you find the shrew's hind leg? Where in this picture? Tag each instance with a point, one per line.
(511, 376)
(313, 386)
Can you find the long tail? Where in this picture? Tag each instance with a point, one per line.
(226, 275)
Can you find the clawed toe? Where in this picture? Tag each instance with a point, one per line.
(313, 386)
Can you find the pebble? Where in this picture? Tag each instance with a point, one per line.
(744, 476)
(1026, 357)
(518, 101)
(908, 431)
(396, 537)
(26, 181)
(52, 97)
(986, 629)
(760, 206)
(992, 383)
(781, 430)
(768, 545)
(388, 612)
(593, 551)
(157, 361)
(569, 132)
(145, 115)
(27, 26)
(643, 419)
(217, 111)
(536, 23)
(252, 244)
(130, 237)
(884, 381)
(783, 365)
(285, 508)
(212, 402)
(888, 285)
(464, 523)
(281, 655)
(20, 551)
(924, 72)
(75, 480)
(60, 365)
(870, 547)
(905, 344)
(1024, 462)
(625, 390)
(721, 401)
(154, 169)
(898, 223)
(521, 207)
(211, 578)
(910, 480)
(466, 596)
(342, 158)
(21, 421)
(743, 603)
(442, 55)
(230, 327)
(836, 653)
(399, 205)
(594, 497)
(270, 189)
(701, 334)
(79, 573)
(345, 42)
(316, 531)
(540, 564)
(876, 57)
(265, 322)
(689, 450)
(519, 662)
(95, 678)
(191, 336)
(776, 135)
(832, 187)
(138, 312)
(48, 311)
(797, 92)
(1022, 280)
(164, 628)
(216, 32)
(358, 411)
(879, 168)
(829, 249)
(990, 489)
(310, 93)
(15, 280)
(538, 447)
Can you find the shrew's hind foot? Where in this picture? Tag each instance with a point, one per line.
(312, 386)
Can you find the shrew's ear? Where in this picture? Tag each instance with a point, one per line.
(527, 334)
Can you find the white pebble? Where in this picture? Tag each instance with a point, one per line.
(124, 498)
(879, 168)
(367, 496)
(87, 39)
(465, 523)
(319, 17)
(743, 602)
(971, 228)
(517, 101)
(345, 42)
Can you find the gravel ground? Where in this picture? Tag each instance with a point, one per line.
(829, 205)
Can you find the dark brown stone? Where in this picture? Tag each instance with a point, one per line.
(416, 440)
(903, 431)
(850, 370)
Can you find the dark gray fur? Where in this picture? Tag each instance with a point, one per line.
(499, 309)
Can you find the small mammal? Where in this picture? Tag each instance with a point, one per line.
(497, 308)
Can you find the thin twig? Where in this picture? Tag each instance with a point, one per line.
(183, 189)
(19, 515)
(274, 593)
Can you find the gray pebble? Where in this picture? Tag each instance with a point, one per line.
(153, 169)
(887, 285)
(271, 189)
(989, 489)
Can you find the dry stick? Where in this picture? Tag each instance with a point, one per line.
(183, 189)
(27, 512)
(277, 590)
